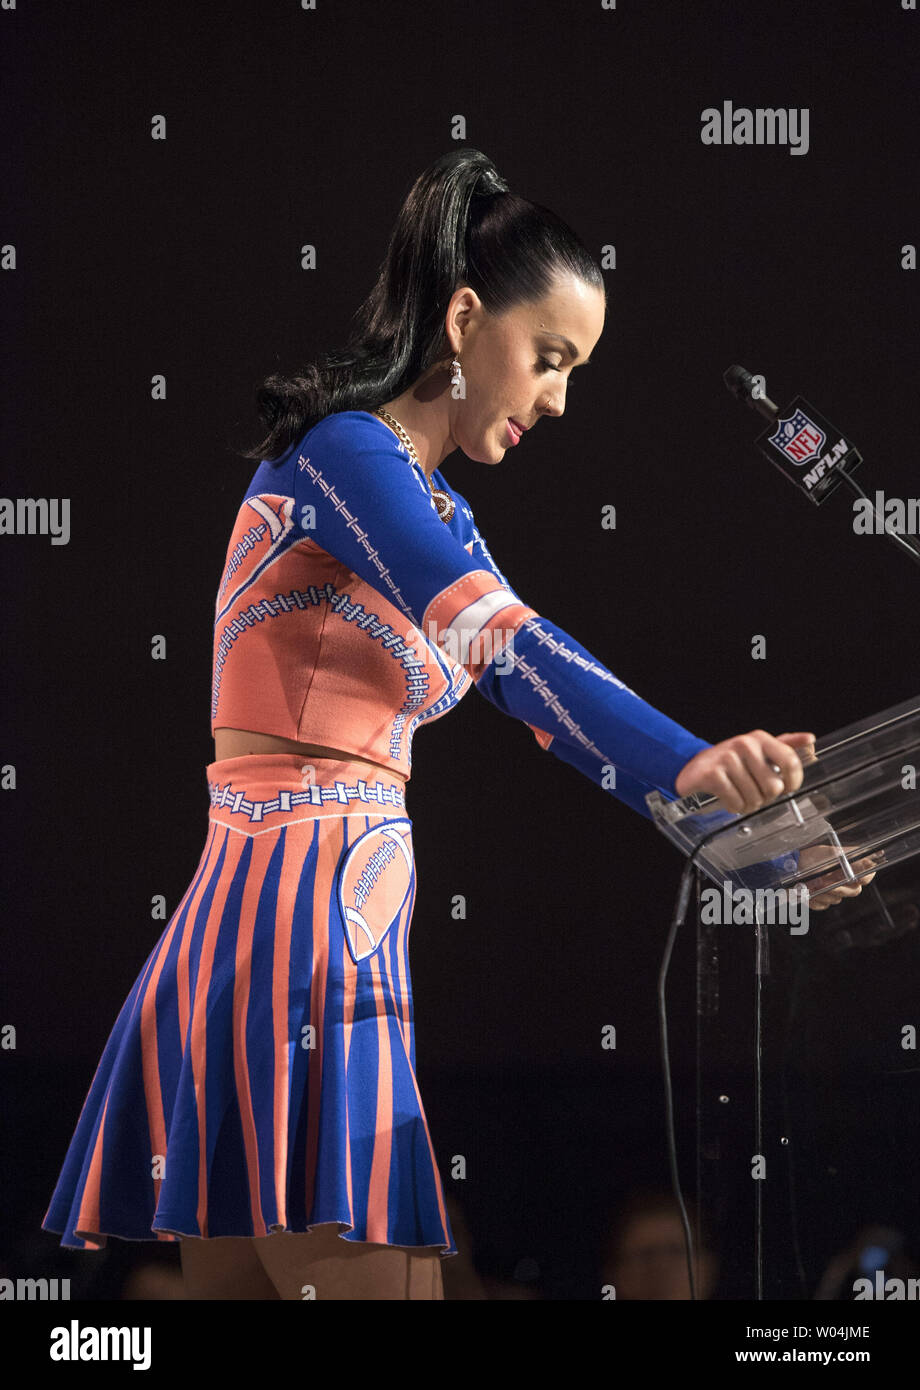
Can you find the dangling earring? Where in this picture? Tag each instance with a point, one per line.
(457, 381)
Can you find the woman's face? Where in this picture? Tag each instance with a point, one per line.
(517, 366)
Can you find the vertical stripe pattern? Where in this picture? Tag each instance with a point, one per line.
(260, 1075)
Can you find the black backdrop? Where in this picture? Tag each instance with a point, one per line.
(135, 257)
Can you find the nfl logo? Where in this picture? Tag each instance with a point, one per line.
(800, 438)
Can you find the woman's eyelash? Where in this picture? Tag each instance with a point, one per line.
(548, 366)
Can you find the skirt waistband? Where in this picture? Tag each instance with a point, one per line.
(269, 789)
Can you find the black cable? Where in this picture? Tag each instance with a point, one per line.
(689, 869)
(793, 1001)
(760, 948)
(702, 982)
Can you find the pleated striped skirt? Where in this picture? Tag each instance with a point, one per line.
(260, 1076)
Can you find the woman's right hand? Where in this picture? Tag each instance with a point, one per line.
(820, 898)
(739, 771)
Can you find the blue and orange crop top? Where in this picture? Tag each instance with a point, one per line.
(349, 613)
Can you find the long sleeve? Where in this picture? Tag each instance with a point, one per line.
(623, 785)
(359, 496)
(626, 786)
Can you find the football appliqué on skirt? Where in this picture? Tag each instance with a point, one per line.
(372, 884)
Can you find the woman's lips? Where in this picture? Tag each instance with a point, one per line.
(515, 432)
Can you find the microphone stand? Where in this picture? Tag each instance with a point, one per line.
(898, 540)
(746, 388)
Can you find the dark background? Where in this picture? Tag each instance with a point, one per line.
(137, 256)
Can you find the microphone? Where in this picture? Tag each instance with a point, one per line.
(806, 447)
(750, 389)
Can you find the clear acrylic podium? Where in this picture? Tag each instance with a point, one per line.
(787, 1066)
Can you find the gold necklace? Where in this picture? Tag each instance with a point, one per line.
(442, 500)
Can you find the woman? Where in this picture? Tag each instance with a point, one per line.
(257, 1098)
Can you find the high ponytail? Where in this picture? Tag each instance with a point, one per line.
(459, 225)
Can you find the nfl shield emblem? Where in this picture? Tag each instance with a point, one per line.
(800, 439)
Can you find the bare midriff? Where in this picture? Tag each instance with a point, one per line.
(240, 743)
